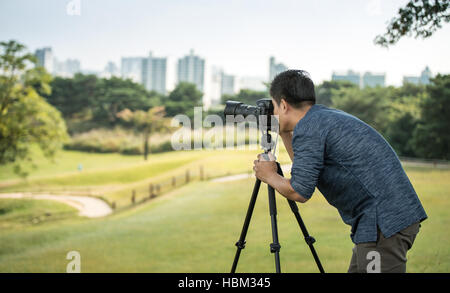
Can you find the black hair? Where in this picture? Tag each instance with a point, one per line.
(295, 86)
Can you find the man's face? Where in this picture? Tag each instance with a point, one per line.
(279, 113)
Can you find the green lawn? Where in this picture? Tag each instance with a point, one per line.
(21, 213)
(114, 176)
(194, 228)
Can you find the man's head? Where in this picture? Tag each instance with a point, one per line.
(292, 93)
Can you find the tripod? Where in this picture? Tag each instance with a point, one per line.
(266, 143)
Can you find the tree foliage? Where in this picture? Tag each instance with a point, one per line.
(183, 99)
(145, 123)
(95, 102)
(246, 96)
(432, 135)
(368, 104)
(324, 90)
(26, 119)
(419, 17)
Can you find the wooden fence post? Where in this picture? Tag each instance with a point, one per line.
(150, 191)
(187, 176)
(133, 196)
(174, 181)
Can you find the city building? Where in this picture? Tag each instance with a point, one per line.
(131, 67)
(226, 84)
(424, 77)
(66, 68)
(148, 71)
(154, 74)
(373, 80)
(44, 58)
(111, 69)
(275, 68)
(350, 76)
(191, 68)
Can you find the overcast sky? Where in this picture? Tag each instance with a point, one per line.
(239, 36)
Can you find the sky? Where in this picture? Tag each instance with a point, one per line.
(319, 36)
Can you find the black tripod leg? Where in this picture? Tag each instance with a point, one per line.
(308, 239)
(275, 246)
(241, 243)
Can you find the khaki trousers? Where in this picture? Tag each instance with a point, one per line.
(387, 255)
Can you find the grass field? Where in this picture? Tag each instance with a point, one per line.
(194, 228)
(113, 176)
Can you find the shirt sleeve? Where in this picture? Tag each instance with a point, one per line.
(308, 163)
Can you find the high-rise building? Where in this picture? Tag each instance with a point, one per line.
(275, 68)
(111, 69)
(373, 80)
(45, 58)
(131, 68)
(424, 77)
(350, 76)
(226, 84)
(191, 68)
(148, 71)
(154, 74)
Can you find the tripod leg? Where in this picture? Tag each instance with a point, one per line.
(275, 246)
(308, 239)
(241, 243)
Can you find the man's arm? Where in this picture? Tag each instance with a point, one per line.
(266, 171)
(284, 187)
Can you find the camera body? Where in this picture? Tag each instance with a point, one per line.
(264, 107)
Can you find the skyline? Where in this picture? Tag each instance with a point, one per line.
(232, 35)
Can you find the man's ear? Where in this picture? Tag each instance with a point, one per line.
(284, 106)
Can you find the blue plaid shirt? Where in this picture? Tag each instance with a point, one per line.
(356, 170)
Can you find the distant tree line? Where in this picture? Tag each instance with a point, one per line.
(414, 119)
(87, 102)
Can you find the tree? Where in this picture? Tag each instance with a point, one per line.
(116, 94)
(246, 96)
(421, 17)
(74, 96)
(369, 104)
(324, 90)
(432, 135)
(403, 117)
(145, 122)
(183, 99)
(26, 119)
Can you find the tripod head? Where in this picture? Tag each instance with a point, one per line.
(267, 144)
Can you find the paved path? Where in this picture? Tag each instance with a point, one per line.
(90, 207)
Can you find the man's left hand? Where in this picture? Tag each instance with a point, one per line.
(265, 170)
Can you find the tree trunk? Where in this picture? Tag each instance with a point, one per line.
(146, 137)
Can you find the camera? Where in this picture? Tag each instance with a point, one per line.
(264, 107)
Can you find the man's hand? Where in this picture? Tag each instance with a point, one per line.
(265, 170)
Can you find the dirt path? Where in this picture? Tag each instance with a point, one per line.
(90, 207)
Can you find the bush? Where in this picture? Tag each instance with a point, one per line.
(117, 140)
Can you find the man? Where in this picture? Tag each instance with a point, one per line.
(355, 169)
